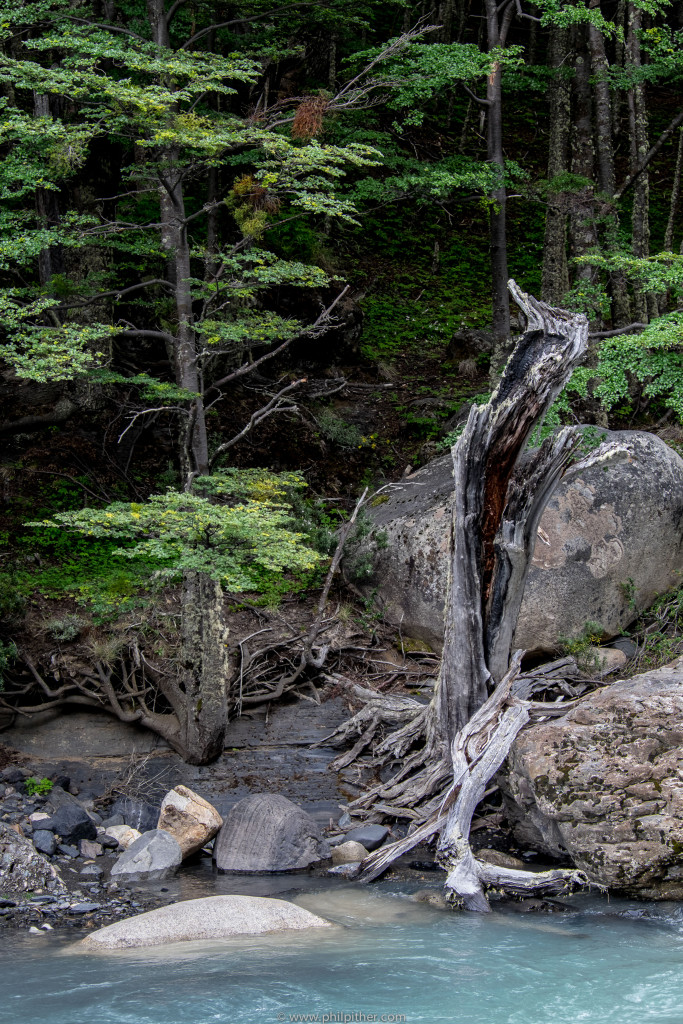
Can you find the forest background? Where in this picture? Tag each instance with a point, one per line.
(254, 259)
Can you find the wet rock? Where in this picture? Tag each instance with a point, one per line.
(136, 813)
(345, 870)
(72, 823)
(604, 785)
(22, 867)
(155, 855)
(190, 819)
(83, 908)
(608, 544)
(215, 917)
(267, 832)
(348, 853)
(44, 841)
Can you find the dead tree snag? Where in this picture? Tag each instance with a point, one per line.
(499, 494)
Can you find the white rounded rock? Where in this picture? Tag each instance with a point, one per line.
(214, 917)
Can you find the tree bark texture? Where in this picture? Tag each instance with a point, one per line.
(555, 281)
(204, 669)
(495, 514)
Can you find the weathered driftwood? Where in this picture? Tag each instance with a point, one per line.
(499, 493)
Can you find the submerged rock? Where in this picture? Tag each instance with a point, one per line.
(190, 819)
(604, 785)
(152, 857)
(267, 832)
(610, 540)
(215, 917)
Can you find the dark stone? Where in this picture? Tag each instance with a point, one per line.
(625, 644)
(44, 841)
(12, 775)
(68, 851)
(108, 842)
(267, 832)
(369, 836)
(136, 813)
(72, 823)
(63, 781)
(113, 819)
(83, 908)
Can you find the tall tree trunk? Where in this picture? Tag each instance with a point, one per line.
(621, 313)
(194, 449)
(555, 281)
(204, 670)
(582, 230)
(644, 304)
(675, 196)
(496, 36)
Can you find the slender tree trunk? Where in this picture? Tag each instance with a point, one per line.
(555, 281)
(675, 196)
(496, 34)
(583, 233)
(194, 449)
(621, 313)
(644, 304)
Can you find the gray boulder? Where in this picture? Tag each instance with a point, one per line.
(155, 855)
(22, 867)
(215, 917)
(604, 785)
(610, 540)
(267, 832)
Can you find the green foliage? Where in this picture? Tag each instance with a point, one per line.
(653, 359)
(38, 787)
(232, 543)
(581, 647)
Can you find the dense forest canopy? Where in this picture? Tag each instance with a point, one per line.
(232, 234)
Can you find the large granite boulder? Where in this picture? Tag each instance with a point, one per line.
(154, 856)
(610, 540)
(604, 785)
(190, 819)
(267, 832)
(22, 867)
(215, 917)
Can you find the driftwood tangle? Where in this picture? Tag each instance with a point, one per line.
(446, 752)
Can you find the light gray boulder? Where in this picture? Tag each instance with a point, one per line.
(267, 832)
(604, 785)
(215, 917)
(23, 868)
(610, 540)
(152, 857)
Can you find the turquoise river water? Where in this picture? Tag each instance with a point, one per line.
(603, 962)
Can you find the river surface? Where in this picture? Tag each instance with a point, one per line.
(602, 961)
